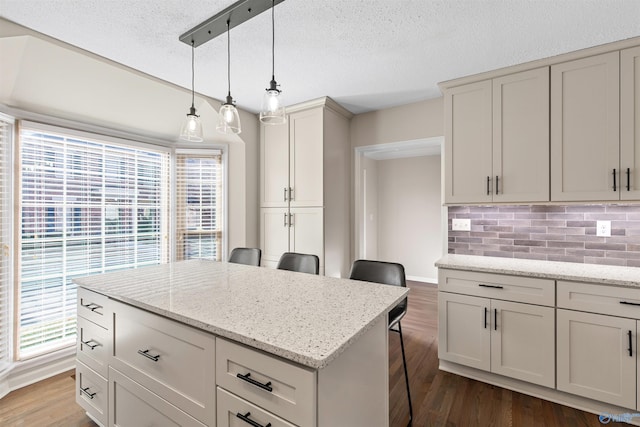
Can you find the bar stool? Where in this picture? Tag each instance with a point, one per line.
(387, 273)
(247, 256)
(302, 263)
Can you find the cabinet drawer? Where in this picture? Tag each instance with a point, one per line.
(602, 299)
(91, 392)
(171, 359)
(281, 387)
(92, 346)
(498, 286)
(131, 405)
(236, 412)
(93, 306)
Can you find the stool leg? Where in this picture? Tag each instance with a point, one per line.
(406, 375)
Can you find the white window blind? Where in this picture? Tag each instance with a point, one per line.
(199, 205)
(6, 276)
(89, 204)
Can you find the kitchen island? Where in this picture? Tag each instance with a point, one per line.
(206, 343)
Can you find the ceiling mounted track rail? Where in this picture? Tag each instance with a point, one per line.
(236, 14)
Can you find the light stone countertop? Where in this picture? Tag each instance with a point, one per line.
(304, 318)
(600, 274)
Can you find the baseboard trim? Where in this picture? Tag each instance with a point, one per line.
(423, 279)
(552, 395)
(32, 371)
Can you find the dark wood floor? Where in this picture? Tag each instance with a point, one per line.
(439, 398)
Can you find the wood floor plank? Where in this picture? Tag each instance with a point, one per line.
(439, 398)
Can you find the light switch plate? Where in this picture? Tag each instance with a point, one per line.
(603, 228)
(461, 224)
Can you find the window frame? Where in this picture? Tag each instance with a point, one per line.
(211, 149)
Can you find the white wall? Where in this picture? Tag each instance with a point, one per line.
(45, 76)
(409, 122)
(409, 214)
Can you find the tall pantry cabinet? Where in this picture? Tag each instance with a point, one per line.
(304, 186)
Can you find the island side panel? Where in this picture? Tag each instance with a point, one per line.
(353, 390)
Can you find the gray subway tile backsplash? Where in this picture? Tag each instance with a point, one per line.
(552, 233)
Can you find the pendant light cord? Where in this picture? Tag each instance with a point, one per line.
(273, 41)
(228, 60)
(193, 95)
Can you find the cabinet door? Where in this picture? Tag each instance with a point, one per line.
(630, 124)
(585, 123)
(464, 330)
(306, 232)
(274, 184)
(521, 137)
(274, 234)
(594, 359)
(467, 136)
(523, 342)
(306, 158)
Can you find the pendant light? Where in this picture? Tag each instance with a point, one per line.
(228, 118)
(192, 128)
(272, 111)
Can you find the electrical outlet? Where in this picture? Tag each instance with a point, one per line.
(603, 228)
(461, 224)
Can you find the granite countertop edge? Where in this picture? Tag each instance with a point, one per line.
(592, 273)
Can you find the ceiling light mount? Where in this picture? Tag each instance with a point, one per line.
(239, 12)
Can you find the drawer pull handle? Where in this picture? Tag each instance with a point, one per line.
(247, 377)
(91, 306)
(91, 346)
(85, 391)
(629, 303)
(630, 344)
(248, 420)
(482, 285)
(146, 354)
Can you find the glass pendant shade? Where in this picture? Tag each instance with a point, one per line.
(272, 111)
(228, 118)
(191, 128)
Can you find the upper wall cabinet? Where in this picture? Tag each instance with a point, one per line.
(585, 123)
(497, 139)
(292, 162)
(630, 123)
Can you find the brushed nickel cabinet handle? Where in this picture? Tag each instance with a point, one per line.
(146, 354)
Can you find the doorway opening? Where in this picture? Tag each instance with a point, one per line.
(399, 215)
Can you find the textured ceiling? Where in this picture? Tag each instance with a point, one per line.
(365, 54)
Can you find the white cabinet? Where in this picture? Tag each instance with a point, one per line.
(521, 137)
(497, 139)
(132, 405)
(304, 188)
(92, 351)
(595, 359)
(630, 124)
(514, 339)
(597, 342)
(467, 137)
(585, 141)
(282, 388)
(506, 338)
(292, 161)
(291, 230)
(153, 351)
